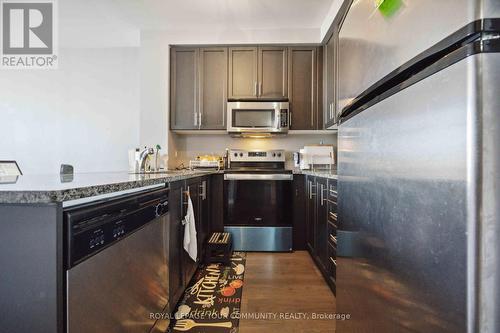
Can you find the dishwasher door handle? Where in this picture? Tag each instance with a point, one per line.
(257, 176)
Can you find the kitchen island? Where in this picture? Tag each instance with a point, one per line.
(51, 188)
(35, 232)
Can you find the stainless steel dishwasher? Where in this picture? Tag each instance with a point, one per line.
(117, 264)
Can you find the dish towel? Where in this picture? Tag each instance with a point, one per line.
(190, 240)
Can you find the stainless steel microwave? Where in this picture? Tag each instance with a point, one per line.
(258, 117)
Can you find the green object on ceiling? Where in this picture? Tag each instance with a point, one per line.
(388, 7)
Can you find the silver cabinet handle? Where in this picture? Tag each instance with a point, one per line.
(289, 119)
(255, 89)
(199, 122)
(260, 88)
(195, 118)
(322, 194)
(203, 190)
(311, 186)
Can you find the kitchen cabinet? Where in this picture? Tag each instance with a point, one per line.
(330, 74)
(310, 213)
(213, 88)
(321, 225)
(184, 101)
(182, 267)
(320, 229)
(198, 95)
(299, 213)
(176, 275)
(258, 73)
(304, 72)
(197, 188)
(332, 234)
(273, 73)
(243, 68)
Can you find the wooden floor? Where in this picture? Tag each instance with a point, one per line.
(285, 283)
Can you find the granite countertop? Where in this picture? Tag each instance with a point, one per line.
(330, 174)
(51, 188)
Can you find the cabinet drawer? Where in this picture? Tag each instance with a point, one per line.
(333, 217)
(332, 229)
(332, 241)
(332, 261)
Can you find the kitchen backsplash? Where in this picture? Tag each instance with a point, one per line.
(190, 146)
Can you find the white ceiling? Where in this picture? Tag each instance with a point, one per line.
(119, 22)
(199, 14)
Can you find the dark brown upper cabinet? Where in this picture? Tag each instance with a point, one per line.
(258, 73)
(184, 109)
(303, 88)
(213, 88)
(198, 84)
(329, 81)
(243, 72)
(273, 73)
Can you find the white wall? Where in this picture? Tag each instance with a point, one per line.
(85, 113)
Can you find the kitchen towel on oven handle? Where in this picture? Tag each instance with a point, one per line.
(190, 240)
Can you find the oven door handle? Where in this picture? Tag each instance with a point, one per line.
(257, 176)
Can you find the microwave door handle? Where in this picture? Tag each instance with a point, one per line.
(278, 118)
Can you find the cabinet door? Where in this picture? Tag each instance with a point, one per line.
(329, 79)
(299, 213)
(213, 88)
(321, 226)
(193, 187)
(302, 83)
(184, 88)
(204, 225)
(273, 73)
(242, 72)
(310, 212)
(176, 276)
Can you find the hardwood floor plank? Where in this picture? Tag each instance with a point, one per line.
(285, 283)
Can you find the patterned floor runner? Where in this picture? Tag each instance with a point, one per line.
(211, 304)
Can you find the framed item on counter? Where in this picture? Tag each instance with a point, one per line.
(9, 168)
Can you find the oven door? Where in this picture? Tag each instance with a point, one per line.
(257, 211)
(257, 117)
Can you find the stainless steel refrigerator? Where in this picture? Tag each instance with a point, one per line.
(418, 164)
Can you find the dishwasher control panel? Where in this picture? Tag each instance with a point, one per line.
(92, 228)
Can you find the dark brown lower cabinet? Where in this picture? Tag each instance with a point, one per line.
(321, 227)
(182, 267)
(310, 213)
(320, 235)
(299, 213)
(176, 275)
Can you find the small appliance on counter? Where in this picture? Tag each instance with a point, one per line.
(315, 157)
(207, 162)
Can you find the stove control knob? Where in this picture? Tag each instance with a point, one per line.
(235, 154)
(274, 154)
(279, 154)
(241, 154)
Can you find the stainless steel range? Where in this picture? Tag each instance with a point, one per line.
(257, 196)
